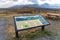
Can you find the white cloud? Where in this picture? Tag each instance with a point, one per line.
(6, 3)
(9, 3)
(20, 2)
(53, 1)
(49, 2)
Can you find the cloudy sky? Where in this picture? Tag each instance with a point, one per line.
(10, 3)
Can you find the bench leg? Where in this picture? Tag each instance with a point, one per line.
(42, 28)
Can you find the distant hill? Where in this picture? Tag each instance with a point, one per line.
(21, 6)
(31, 7)
(45, 6)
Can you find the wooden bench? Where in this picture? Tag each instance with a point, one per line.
(52, 15)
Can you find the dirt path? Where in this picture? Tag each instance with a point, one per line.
(2, 29)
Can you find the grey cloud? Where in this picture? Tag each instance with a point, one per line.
(43, 0)
(34, 1)
(14, 0)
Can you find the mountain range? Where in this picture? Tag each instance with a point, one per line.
(45, 5)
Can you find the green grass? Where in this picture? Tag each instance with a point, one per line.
(25, 25)
(32, 35)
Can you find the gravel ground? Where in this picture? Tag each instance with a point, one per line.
(55, 27)
(2, 29)
(6, 23)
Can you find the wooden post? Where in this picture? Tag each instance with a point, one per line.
(17, 34)
(42, 28)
